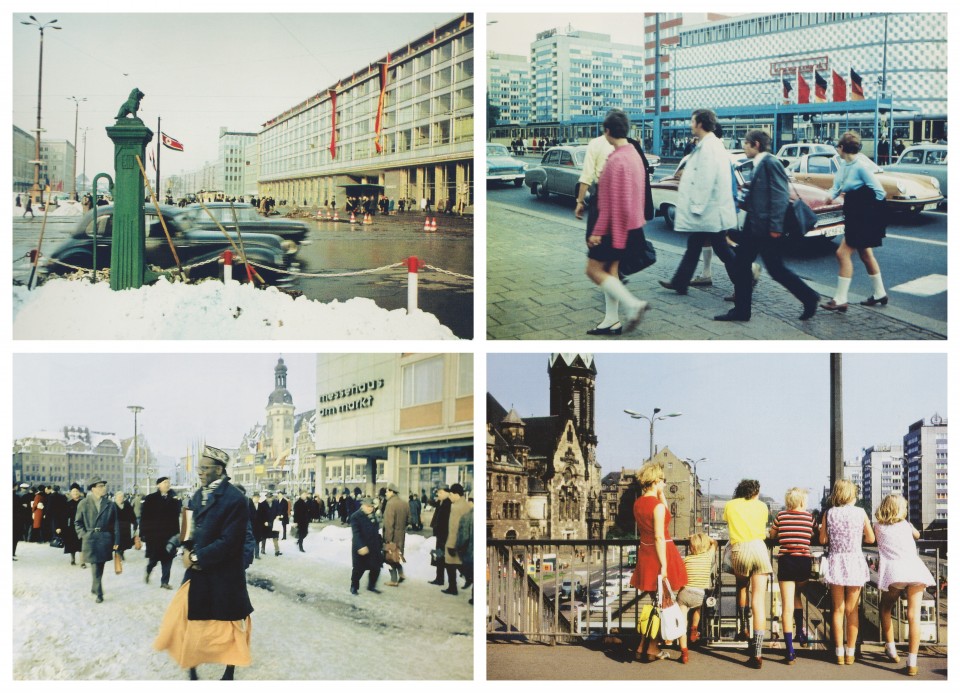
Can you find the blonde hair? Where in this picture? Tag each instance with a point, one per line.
(844, 493)
(796, 498)
(649, 474)
(892, 509)
(700, 542)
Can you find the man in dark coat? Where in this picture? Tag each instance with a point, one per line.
(98, 527)
(396, 516)
(275, 512)
(259, 513)
(215, 568)
(55, 512)
(159, 522)
(441, 527)
(766, 205)
(301, 517)
(367, 546)
(284, 512)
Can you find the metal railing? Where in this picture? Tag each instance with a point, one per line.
(570, 590)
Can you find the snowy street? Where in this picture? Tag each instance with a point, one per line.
(306, 625)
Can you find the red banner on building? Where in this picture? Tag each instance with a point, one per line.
(839, 87)
(803, 89)
(819, 87)
(856, 86)
(333, 123)
(384, 66)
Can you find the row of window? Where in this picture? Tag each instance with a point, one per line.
(756, 26)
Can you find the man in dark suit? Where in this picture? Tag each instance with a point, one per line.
(367, 547)
(160, 522)
(766, 205)
(215, 563)
(98, 526)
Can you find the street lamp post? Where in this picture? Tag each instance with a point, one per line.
(35, 192)
(710, 501)
(136, 445)
(694, 487)
(85, 156)
(76, 120)
(653, 418)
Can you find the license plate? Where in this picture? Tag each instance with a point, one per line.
(932, 205)
(833, 231)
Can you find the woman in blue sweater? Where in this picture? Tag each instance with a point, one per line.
(863, 212)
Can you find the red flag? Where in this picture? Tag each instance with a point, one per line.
(170, 143)
(856, 86)
(839, 88)
(819, 87)
(153, 162)
(384, 67)
(803, 89)
(787, 88)
(333, 122)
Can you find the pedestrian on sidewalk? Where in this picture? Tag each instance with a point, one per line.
(301, 518)
(440, 524)
(902, 572)
(705, 207)
(367, 546)
(746, 517)
(793, 530)
(67, 531)
(97, 525)
(452, 558)
(396, 516)
(620, 194)
(864, 213)
(28, 207)
(766, 205)
(844, 568)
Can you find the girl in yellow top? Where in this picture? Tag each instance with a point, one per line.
(699, 563)
(746, 516)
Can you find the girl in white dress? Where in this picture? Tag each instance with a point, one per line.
(901, 570)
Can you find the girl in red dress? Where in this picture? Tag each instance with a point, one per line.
(657, 556)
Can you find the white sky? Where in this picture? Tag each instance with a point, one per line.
(198, 71)
(186, 397)
(760, 416)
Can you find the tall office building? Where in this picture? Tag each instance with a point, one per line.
(509, 87)
(925, 468)
(882, 474)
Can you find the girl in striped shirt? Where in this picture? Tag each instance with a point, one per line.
(793, 529)
(699, 563)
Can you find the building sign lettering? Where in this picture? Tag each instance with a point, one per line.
(806, 65)
(362, 403)
(354, 390)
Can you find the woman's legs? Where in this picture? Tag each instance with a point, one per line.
(758, 593)
(873, 269)
(836, 618)
(605, 275)
(888, 600)
(787, 591)
(845, 272)
(852, 613)
(914, 598)
(742, 609)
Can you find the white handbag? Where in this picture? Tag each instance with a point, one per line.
(673, 624)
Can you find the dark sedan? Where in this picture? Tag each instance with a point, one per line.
(195, 245)
(250, 220)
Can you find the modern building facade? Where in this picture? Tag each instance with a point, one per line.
(56, 170)
(421, 97)
(882, 474)
(510, 87)
(24, 148)
(405, 419)
(925, 468)
(232, 161)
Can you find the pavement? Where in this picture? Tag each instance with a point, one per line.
(523, 660)
(537, 289)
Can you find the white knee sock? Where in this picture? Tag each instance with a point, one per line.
(843, 286)
(912, 659)
(840, 651)
(615, 289)
(707, 255)
(612, 315)
(851, 651)
(878, 290)
(891, 649)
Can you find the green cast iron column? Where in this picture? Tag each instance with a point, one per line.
(130, 137)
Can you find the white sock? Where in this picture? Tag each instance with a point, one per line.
(891, 649)
(612, 315)
(851, 651)
(878, 290)
(843, 286)
(707, 255)
(840, 651)
(615, 289)
(912, 659)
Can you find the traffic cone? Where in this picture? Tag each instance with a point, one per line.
(336, 217)
(353, 218)
(426, 223)
(433, 224)
(367, 219)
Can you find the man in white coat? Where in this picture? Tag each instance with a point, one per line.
(705, 202)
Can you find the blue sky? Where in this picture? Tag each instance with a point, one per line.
(763, 416)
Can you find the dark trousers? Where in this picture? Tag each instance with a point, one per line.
(302, 528)
(284, 530)
(396, 571)
(770, 251)
(695, 243)
(97, 574)
(165, 564)
(441, 564)
(452, 577)
(358, 573)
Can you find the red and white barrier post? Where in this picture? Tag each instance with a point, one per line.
(413, 267)
(227, 266)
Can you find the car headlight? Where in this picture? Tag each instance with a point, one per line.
(289, 247)
(935, 183)
(525, 167)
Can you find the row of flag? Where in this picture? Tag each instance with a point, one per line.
(820, 87)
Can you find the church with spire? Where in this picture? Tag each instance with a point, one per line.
(543, 478)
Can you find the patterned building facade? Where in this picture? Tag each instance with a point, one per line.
(925, 470)
(509, 87)
(881, 475)
(232, 162)
(543, 479)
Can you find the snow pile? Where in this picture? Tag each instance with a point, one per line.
(63, 309)
(306, 624)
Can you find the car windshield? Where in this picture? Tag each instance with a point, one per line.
(822, 164)
(937, 157)
(497, 150)
(911, 156)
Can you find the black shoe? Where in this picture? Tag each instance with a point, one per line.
(614, 329)
(277, 554)
(99, 599)
(452, 590)
(673, 287)
(165, 586)
(809, 309)
(730, 299)
(146, 578)
(193, 674)
(301, 549)
(374, 590)
(401, 579)
(732, 316)
(876, 301)
(228, 673)
(436, 582)
(353, 590)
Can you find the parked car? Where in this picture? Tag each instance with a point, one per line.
(791, 152)
(193, 217)
(923, 159)
(829, 215)
(558, 172)
(192, 245)
(906, 192)
(502, 166)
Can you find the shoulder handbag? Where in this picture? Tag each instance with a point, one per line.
(672, 621)
(638, 255)
(799, 218)
(391, 553)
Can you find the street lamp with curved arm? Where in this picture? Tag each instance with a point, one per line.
(76, 120)
(653, 418)
(35, 193)
(694, 487)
